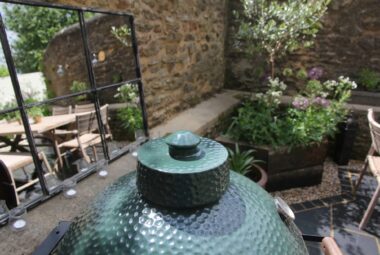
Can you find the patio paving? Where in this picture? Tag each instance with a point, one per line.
(339, 217)
(42, 219)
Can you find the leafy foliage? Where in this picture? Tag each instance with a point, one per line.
(131, 119)
(35, 111)
(278, 27)
(260, 121)
(369, 79)
(241, 162)
(123, 34)
(127, 93)
(79, 86)
(35, 27)
(313, 115)
(4, 71)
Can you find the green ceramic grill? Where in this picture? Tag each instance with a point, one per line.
(183, 199)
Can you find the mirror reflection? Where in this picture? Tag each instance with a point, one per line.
(110, 43)
(42, 42)
(123, 117)
(49, 56)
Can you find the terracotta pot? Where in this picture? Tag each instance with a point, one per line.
(258, 175)
(37, 119)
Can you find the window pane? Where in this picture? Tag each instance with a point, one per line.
(17, 167)
(47, 49)
(122, 117)
(8, 100)
(68, 134)
(111, 49)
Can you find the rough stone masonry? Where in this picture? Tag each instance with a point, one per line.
(181, 46)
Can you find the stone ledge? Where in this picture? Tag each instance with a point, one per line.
(202, 116)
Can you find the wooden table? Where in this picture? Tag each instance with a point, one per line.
(46, 126)
(48, 123)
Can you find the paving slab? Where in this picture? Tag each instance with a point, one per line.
(42, 219)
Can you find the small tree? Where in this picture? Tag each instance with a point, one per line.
(275, 27)
(35, 26)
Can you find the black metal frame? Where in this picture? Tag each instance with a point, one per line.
(93, 90)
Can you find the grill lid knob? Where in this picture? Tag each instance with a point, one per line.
(183, 145)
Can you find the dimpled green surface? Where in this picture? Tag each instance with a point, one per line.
(183, 139)
(155, 155)
(243, 221)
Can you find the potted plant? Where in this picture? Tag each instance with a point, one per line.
(292, 137)
(36, 113)
(244, 163)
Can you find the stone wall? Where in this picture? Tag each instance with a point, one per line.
(115, 64)
(181, 49)
(349, 41)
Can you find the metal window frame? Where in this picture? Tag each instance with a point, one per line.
(93, 90)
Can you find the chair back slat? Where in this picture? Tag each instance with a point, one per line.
(104, 114)
(84, 108)
(61, 110)
(375, 130)
(86, 123)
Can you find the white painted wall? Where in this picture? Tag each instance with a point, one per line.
(32, 85)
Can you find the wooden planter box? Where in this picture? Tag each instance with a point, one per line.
(301, 166)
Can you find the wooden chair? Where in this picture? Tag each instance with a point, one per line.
(61, 110)
(62, 134)
(84, 108)
(3, 144)
(330, 247)
(372, 162)
(10, 162)
(105, 118)
(85, 136)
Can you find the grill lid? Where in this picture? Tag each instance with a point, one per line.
(183, 204)
(182, 170)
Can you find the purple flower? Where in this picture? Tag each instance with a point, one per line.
(317, 101)
(301, 103)
(320, 101)
(315, 73)
(325, 102)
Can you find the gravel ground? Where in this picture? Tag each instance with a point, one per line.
(330, 186)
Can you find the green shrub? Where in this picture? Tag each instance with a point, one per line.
(131, 120)
(312, 116)
(79, 86)
(369, 79)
